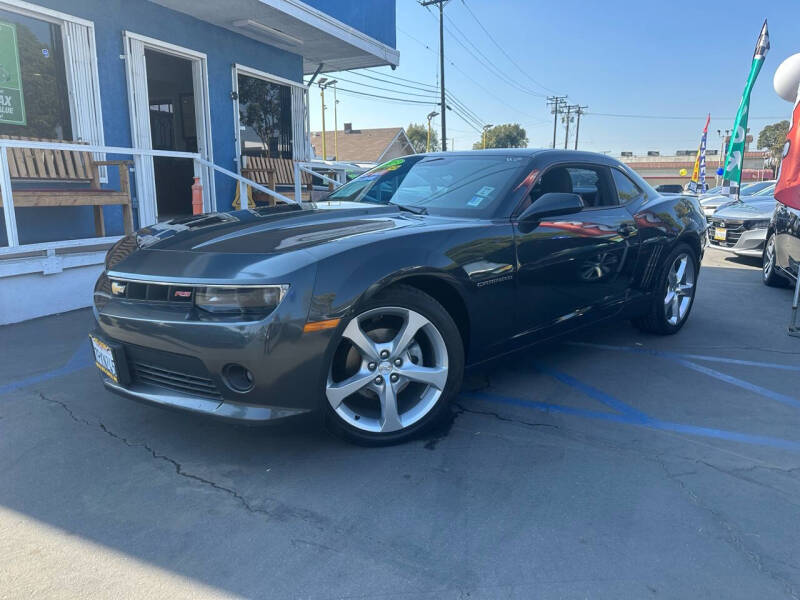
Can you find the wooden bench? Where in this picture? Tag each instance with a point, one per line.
(272, 172)
(43, 167)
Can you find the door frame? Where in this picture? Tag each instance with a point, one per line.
(148, 209)
(296, 87)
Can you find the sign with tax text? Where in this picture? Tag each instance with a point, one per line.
(12, 102)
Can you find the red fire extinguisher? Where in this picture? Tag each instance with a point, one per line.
(197, 197)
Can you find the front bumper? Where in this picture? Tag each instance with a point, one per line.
(168, 359)
(742, 242)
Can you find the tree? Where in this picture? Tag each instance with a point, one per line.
(773, 137)
(508, 135)
(418, 136)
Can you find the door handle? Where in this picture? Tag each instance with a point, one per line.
(626, 229)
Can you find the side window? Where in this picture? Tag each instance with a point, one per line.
(588, 183)
(627, 190)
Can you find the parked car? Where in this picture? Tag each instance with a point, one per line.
(669, 188)
(781, 258)
(741, 226)
(710, 203)
(369, 306)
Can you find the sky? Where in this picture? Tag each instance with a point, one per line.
(651, 59)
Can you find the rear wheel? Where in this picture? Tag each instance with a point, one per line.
(397, 364)
(674, 293)
(769, 274)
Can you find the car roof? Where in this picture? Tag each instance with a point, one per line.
(546, 153)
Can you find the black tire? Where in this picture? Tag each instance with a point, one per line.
(410, 298)
(655, 320)
(769, 274)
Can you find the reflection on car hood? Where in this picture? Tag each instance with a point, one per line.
(754, 209)
(271, 230)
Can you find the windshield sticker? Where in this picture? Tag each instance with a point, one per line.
(370, 176)
(476, 201)
(485, 191)
(391, 165)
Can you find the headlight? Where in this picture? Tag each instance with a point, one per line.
(261, 299)
(763, 224)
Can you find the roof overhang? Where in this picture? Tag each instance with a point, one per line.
(296, 27)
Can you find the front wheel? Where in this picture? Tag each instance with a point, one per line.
(396, 365)
(673, 295)
(769, 274)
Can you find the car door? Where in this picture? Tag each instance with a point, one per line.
(576, 268)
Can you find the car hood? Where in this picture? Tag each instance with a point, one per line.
(756, 209)
(273, 230)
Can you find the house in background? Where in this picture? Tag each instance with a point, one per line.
(363, 145)
(202, 78)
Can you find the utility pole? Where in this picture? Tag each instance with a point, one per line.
(324, 83)
(579, 110)
(431, 114)
(336, 125)
(441, 4)
(557, 102)
(570, 108)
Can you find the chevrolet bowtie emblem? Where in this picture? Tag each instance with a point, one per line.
(117, 289)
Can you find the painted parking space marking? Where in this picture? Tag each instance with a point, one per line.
(80, 359)
(676, 358)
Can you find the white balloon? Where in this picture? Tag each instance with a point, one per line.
(787, 78)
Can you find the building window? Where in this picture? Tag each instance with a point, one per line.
(265, 118)
(36, 98)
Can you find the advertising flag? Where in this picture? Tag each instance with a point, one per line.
(698, 183)
(735, 155)
(787, 190)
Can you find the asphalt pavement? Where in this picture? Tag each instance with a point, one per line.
(612, 464)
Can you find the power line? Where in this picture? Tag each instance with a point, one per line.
(506, 54)
(404, 100)
(425, 86)
(675, 117)
(486, 62)
(377, 87)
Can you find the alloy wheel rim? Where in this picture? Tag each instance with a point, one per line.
(680, 289)
(769, 258)
(396, 382)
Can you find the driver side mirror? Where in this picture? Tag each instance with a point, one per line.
(552, 204)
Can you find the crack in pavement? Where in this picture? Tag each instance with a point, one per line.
(241, 500)
(734, 537)
(499, 417)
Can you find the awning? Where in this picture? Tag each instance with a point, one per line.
(296, 27)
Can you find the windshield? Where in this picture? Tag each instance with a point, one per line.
(754, 188)
(458, 185)
(767, 191)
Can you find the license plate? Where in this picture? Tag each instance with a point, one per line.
(104, 359)
(720, 233)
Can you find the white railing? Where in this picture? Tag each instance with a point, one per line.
(7, 193)
(319, 168)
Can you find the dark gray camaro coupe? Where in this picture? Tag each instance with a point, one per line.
(369, 306)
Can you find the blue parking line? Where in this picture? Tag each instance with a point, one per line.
(80, 359)
(592, 392)
(674, 357)
(655, 424)
(703, 357)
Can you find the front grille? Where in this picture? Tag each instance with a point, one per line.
(152, 292)
(735, 229)
(175, 380)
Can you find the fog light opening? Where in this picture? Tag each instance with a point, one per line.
(238, 378)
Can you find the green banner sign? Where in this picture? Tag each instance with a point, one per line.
(12, 101)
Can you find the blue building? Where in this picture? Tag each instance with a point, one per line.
(222, 80)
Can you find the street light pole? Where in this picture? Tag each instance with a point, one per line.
(485, 129)
(431, 114)
(336, 125)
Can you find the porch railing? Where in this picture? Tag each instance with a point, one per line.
(7, 193)
(323, 169)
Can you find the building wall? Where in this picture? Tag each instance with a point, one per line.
(222, 47)
(376, 20)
